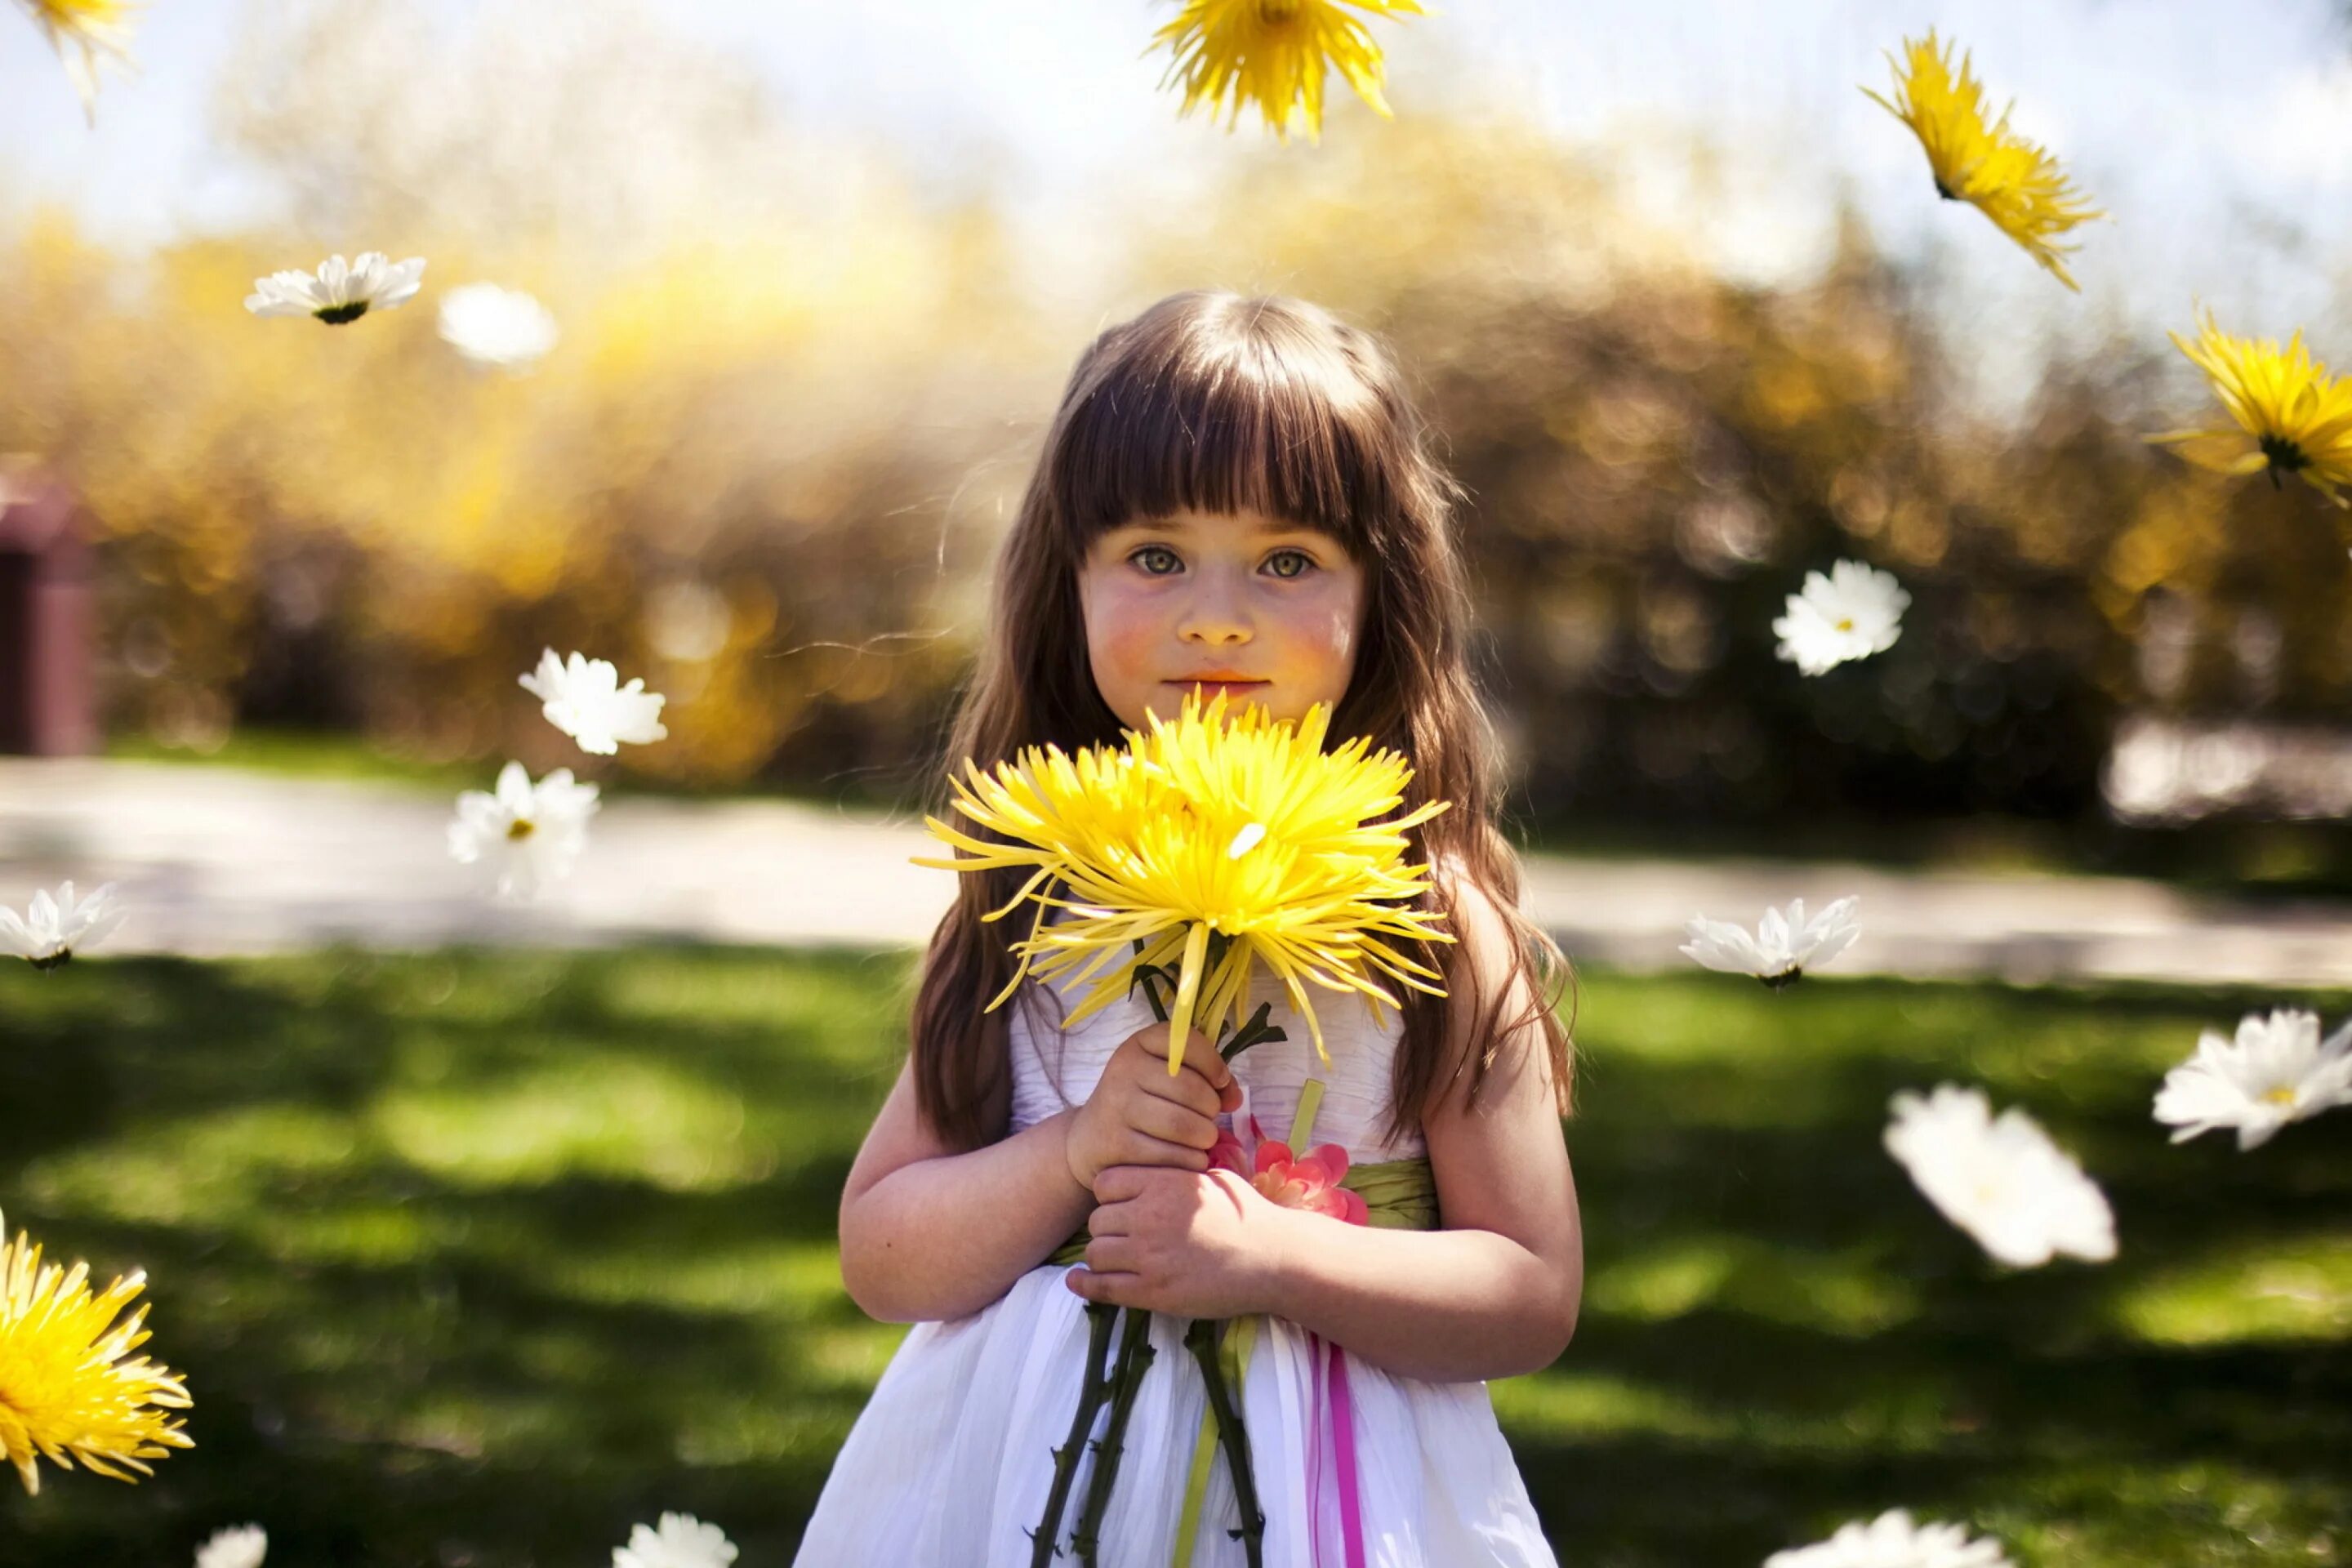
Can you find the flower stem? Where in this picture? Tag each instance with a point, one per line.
(1100, 1316)
(1201, 1339)
(1135, 1353)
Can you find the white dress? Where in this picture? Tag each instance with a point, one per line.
(950, 1463)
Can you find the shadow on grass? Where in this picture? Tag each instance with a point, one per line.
(475, 1260)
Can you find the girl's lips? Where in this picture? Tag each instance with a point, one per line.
(1210, 687)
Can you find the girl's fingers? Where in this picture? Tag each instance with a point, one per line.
(1109, 1218)
(1172, 1123)
(1188, 1089)
(1200, 1056)
(1112, 1254)
(1115, 1184)
(1111, 1290)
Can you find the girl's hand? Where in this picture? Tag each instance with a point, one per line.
(1140, 1115)
(1196, 1245)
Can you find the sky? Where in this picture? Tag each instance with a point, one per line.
(2224, 153)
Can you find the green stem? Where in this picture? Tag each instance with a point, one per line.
(1135, 1353)
(1201, 1339)
(1100, 1316)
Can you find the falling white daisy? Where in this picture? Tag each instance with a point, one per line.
(495, 326)
(682, 1542)
(1892, 1540)
(2277, 1070)
(53, 928)
(1784, 946)
(2002, 1180)
(584, 697)
(339, 292)
(524, 836)
(243, 1547)
(1853, 613)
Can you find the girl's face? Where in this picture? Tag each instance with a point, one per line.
(1264, 610)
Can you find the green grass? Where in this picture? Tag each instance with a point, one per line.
(473, 1259)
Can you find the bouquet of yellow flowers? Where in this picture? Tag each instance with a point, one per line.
(1181, 861)
(1200, 849)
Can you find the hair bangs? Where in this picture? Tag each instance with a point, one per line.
(1223, 412)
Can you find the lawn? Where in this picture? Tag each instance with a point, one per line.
(472, 1259)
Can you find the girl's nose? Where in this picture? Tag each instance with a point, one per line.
(1213, 617)
(1213, 627)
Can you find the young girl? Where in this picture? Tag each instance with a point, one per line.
(1235, 495)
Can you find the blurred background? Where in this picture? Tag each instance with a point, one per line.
(473, 1258)
(1678, 297)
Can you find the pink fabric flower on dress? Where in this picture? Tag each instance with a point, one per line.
(1310, 1182)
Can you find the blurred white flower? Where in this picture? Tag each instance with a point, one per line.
(1892, 1540)
(53, 928)
(339, 292)
(2277, 1070)
(490, 325)
(81, 31)
(2001, 1180)
(1784, 946)
(584, 697)
(682, 1542)
(1853, 613)
(524, 836)
(243, 1547)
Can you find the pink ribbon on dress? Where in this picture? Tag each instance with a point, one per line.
(1331, 1447)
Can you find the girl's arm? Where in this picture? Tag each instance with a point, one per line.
(929, 1232)
(1492, 1295)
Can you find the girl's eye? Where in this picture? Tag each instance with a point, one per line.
(1290, 563)
(1157, 560)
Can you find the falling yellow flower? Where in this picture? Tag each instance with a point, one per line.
(66, 1394)
(2010, 179)
(2293, 418)
(1214, 845)
(1273, 53)
(81, 31)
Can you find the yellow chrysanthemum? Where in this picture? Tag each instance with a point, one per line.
(81, 31)
(2292, 416)
(1215, 845)
(66, 1393)
(2010, 179)
(1273, 53)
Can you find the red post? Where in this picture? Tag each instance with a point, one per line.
(48, 699)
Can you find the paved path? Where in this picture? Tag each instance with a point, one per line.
(215, 861)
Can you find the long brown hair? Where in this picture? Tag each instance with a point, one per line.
(1211, 402)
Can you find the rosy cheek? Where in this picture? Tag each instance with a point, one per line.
(1123, 645)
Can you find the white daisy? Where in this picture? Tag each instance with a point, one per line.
(495, 326)
(524, 836)
(1783, 947)
(243, 1547)
(1892, 1540)
(585, 699)
(2001, 1180)
(682, 1542)
(2277, 1070)
(53, 929)
(339, 292)
(1853, 613)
